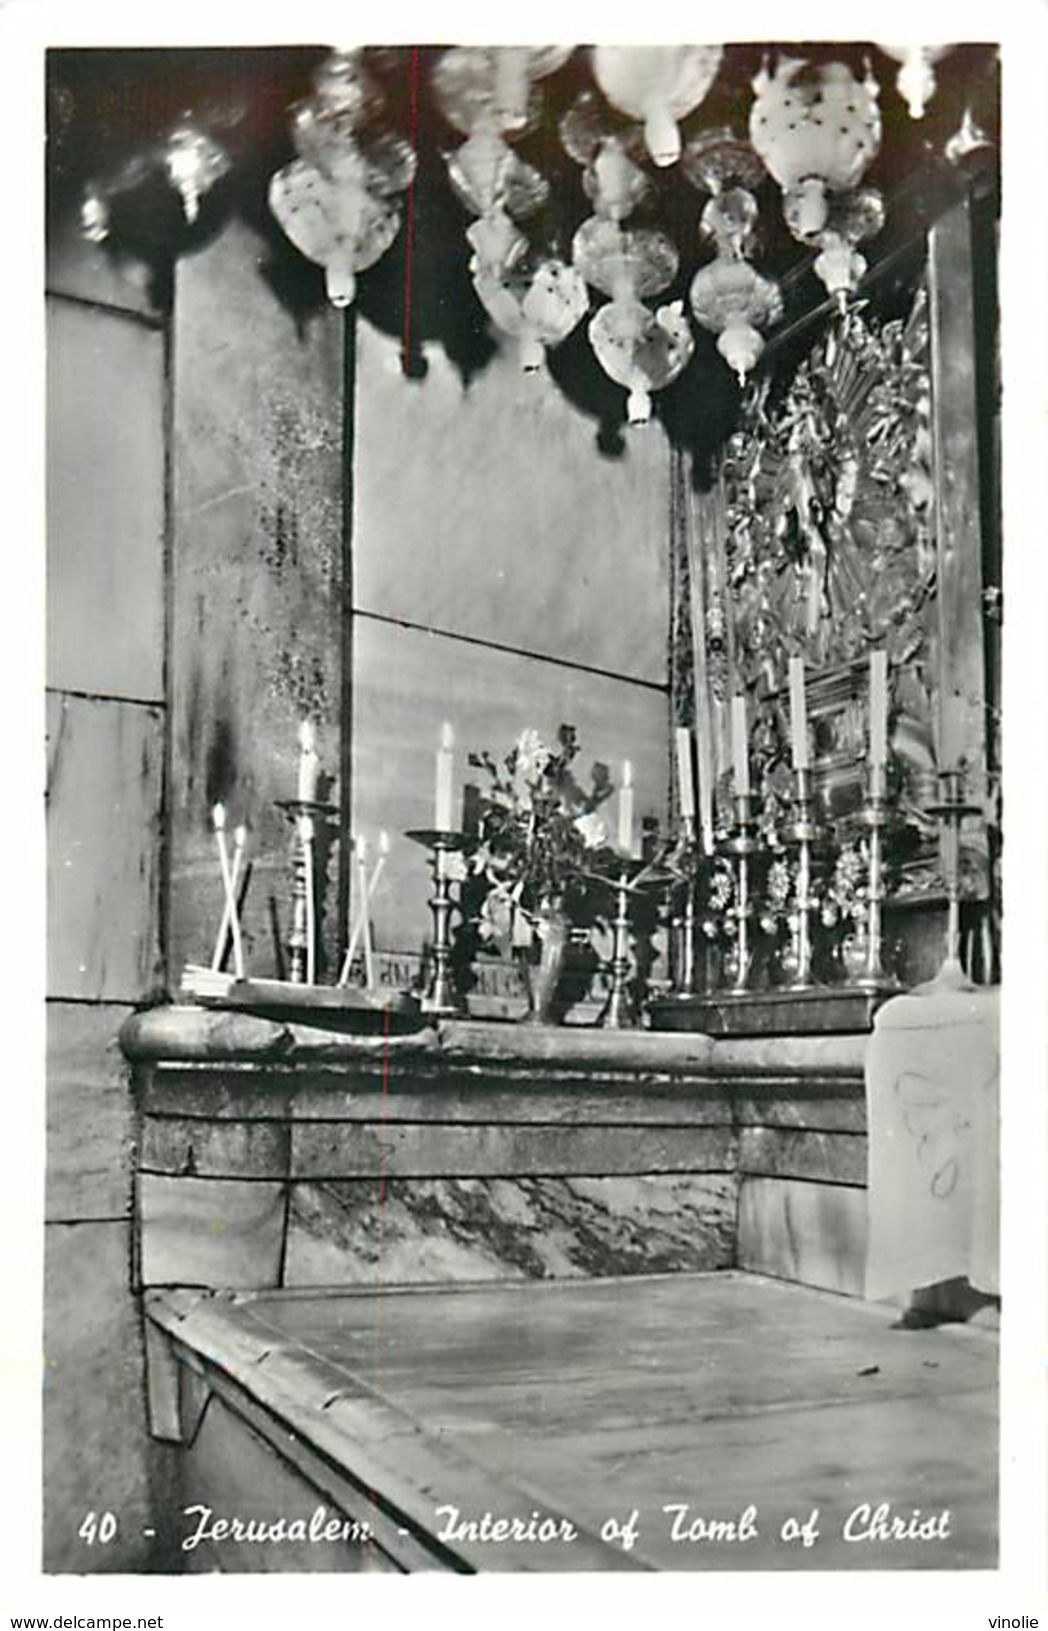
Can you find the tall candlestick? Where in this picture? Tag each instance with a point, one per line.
(308, 764)
(685, 782)
(626, 809)
(740, 744)
(878, 708)
(445, 766)
(798, 715)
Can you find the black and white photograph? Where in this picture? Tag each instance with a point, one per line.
(527, 823)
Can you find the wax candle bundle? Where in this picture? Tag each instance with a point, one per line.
(230, 921)
(361, 933)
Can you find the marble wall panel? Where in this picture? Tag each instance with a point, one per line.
(94, 1440)
(488, 510)
(809, 1232)
(405, 1231)
(792, 1152)
(104, 774)
(331, 1150)
(220, 1232)
(257, 577)
(89, 1114)
(105, 503)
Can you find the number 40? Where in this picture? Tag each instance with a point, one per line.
(100, 1527)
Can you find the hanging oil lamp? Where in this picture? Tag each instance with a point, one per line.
(816, 131)
(915, 81)
(729, 297)
(336, 201)
(659, 85)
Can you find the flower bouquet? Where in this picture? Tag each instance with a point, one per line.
(537, 855)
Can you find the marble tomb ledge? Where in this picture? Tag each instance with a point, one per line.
(189, 1034)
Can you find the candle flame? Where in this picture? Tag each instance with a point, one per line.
(306, 736)
(218, 816)
(383, 843)
(447, 735)
(627, 773)
(240, 836)
(360, 844)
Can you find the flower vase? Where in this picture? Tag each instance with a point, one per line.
(542, 977)
(853, 955)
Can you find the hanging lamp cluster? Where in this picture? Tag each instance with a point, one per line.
(815, 128)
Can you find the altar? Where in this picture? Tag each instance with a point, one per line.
(492, 1297)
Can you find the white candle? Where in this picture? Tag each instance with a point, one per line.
(798, 715)
(626, 809)
(685, 782)
(740, 744)
(442, 819)
(308, 764)
(305, 832)
(878, 708)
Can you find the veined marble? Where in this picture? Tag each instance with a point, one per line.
(409, 1230)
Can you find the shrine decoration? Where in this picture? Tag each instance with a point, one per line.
(190, 159)
(817, 130)
(915, 80)
(729, 296)
(640, 349)
(658, 85)
(489, 95)
(337, 200)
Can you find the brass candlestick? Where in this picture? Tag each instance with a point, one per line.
(952, 810)
(305, 816)
(441, 996)
(802, 834)
(742, 843)
(620, 1011)
(875, 815)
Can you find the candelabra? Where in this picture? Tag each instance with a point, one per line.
(441, 996)
(951, 809)
(742, 844)
(620, 1010)
(802, 834)
(305, 815)
(875, 815)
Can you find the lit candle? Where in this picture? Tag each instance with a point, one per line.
(685, 782)
(878, 709)
(798, 715)
(740, 744)
(442, 819)
(308, 764)
(626, 809)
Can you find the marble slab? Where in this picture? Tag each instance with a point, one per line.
(430, 1230)
(485, 510)
(105, 503)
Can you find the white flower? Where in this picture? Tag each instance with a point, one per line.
(532, 755)
(592, 830)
